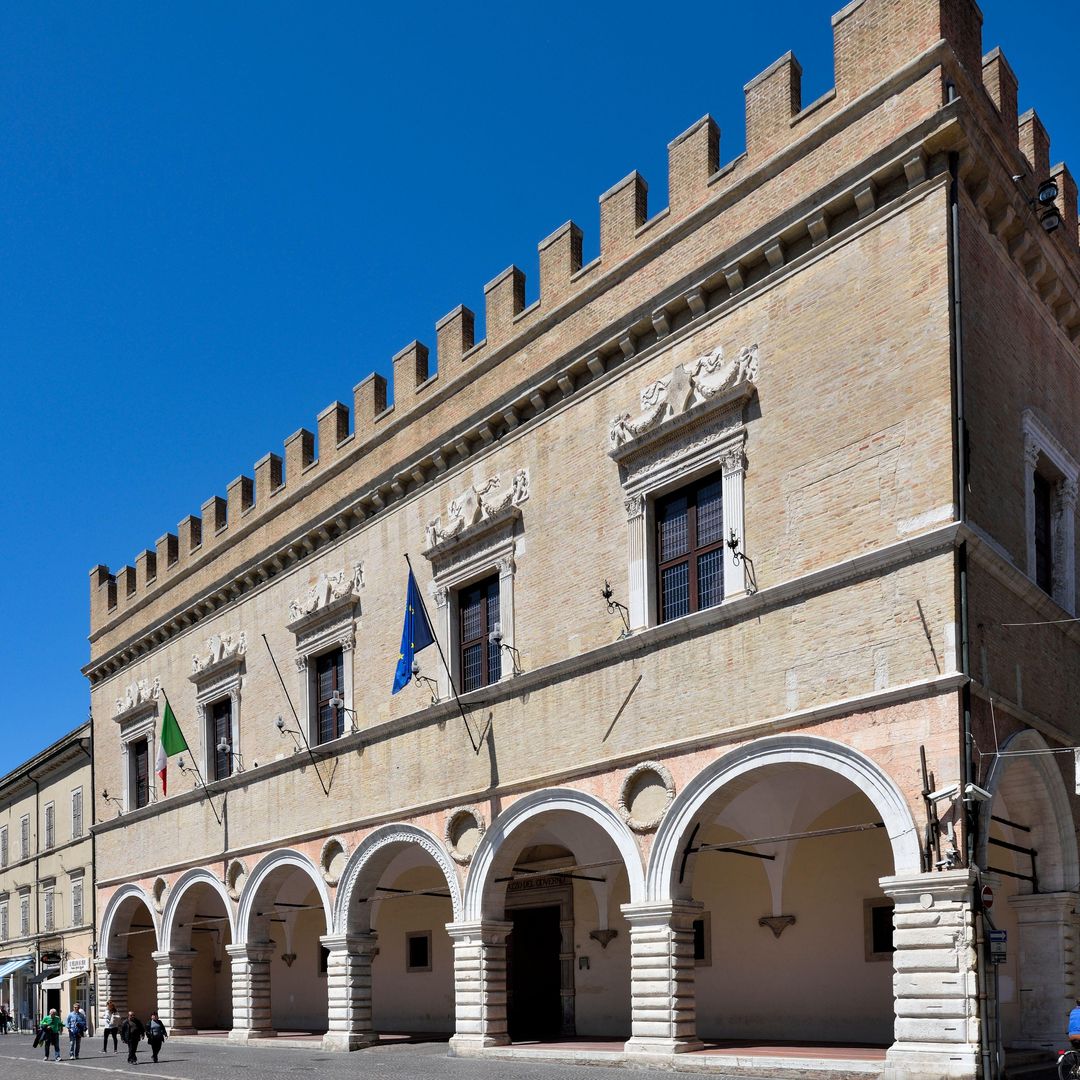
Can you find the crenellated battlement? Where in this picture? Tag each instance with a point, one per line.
(910, 54)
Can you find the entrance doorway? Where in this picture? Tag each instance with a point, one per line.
(534, 979)
(52, 1000)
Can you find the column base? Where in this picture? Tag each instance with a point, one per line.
(243, 1035)
(643, 1046)
(464, 1045)
(344, 1041)
(931, 1063)
(183, 1031)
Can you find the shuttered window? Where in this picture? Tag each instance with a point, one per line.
(50, 825)
(77, 902)
(76, 814)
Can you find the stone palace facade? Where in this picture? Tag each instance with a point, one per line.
(750, 544)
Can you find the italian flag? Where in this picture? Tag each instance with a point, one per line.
(172, 742)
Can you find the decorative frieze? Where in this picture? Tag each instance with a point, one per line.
(140, 696)
(325, 616)
(475, 510)
(220, 650)
(701, 386)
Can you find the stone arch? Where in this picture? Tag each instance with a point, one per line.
(854, 766)
(186, 881)
(547, 801)
(374, 854)
(1059, 865)
(112, 913)
(277, 860)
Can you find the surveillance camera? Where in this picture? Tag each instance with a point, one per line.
(974, 793)
(223, 747)
(948, 792)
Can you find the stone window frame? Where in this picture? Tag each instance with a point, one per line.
(492, 551)
(131, 732)
(674, 465)
(1041, 446)
(214, 683)
(410, 935)
(330, 625)
(871, 904)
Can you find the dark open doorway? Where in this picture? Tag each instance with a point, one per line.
(533, 974)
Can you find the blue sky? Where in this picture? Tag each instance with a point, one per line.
(217, 218)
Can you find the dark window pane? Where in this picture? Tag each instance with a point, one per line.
(329, 679)
(671, 520)
(141, 772)
(710, 578)
(471, 613)
(418, 951)
(1044, 544)
(472, 660)
(710, 517)
(674, 591)
(221, 729)
(881, 929)
(699, 939)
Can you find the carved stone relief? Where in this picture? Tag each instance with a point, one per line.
(708, 378)
(219, 648)
(476, 505)
(140, 693)
(328, 591)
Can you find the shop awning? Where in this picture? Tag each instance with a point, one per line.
(58, 980)
(41, 976)
(8, 966)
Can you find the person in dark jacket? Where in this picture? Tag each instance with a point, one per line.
(131, 1031)
(155, 1034)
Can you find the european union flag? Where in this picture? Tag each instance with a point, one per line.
(415, 634)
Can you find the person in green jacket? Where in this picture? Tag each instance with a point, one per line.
(51, 1026)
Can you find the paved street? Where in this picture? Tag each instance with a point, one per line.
(201, 1060)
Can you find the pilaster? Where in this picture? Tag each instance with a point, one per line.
(174, 990)
(348, 987)
(935, 989)
(479, 985)
(663, 1009)
(250, 992)
(111, 979)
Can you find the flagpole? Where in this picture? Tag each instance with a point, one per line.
(453, 689)
(198, 772)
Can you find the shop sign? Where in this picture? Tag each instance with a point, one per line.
(77, 965)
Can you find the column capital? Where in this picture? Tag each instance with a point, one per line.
(350, 943)
(479, 931)
(174, 958)
(661, 913)
(114, 965)
(951, 886)
(257, 954)
(1044, 907)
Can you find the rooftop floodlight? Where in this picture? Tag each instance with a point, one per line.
(1050, 218)
(1048, 192)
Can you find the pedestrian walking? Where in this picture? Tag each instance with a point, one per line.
(5, 1019)
(51, 1027)
(76, 1025)
(155, 1034)
(111, 1020)
(131, 1031)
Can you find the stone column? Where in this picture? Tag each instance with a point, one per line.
(111, 982)
(479, 984)
(174, 990)
(663, 1011)
(638, 565)
(251, 992)
(348, 990)
(1045, 974)
(935, 987)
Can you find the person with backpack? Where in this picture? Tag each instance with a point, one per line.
(76, 1025)
(131, 1031)
(155, 1034)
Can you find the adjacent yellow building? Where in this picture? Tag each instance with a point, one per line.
(46, 881)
